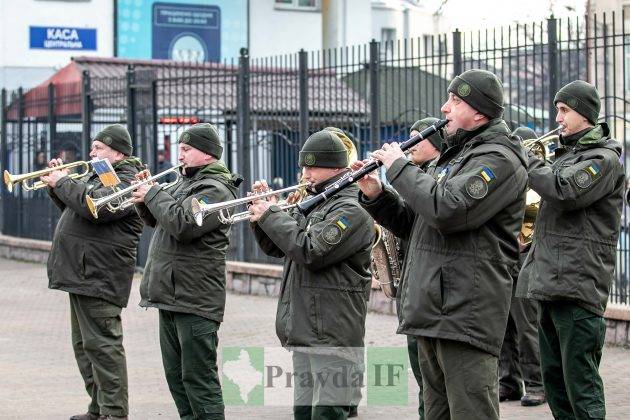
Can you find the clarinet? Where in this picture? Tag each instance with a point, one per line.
(306, 205)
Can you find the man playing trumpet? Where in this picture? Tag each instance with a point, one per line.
(322, 304)
(185, 272)
(93, 260)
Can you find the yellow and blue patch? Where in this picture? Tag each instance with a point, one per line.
(343, 223)
(487, 174)
(594, 169)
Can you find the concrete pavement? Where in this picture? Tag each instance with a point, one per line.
(40, 379)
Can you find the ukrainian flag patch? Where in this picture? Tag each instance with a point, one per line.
(343, 223)
(594, 169)
(487, 174)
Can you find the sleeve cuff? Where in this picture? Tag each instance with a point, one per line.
(153, 191)
(266, 214)
(396, 168)
(376, 202)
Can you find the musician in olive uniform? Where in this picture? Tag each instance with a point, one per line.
(185, 272)
(570, 267)
(326, 279)
(463, 226)
(423, 154)
(94, 260)
(519, 364)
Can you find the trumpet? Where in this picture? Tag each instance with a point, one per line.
(541, 147)
(117, 201)
(11, 180)
(200, 209)
(246, 215)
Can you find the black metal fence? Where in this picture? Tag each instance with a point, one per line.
(266, 107)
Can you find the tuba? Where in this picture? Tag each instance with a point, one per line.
(386, 261)
(544, 149)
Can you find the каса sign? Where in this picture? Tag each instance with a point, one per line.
(62, 38)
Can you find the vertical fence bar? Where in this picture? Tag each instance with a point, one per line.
(4, 157)
(457, 53)
(243, 139)
(552, 65)
(20, 168)
(86, 111)
(52, 121)
(131, 106)
(154, 121)
(375, 108)
(303, 94)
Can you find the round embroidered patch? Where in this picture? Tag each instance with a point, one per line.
(463, 90)
(476, 187)
(572, 102)
(185, 138)
(309, 159)
(107, 140)
(332, 234)
(583, 178)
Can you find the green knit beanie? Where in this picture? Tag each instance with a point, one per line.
(204, 137)
(323, 149)
(480, 89)
(117, 137)
(436, 139)
(582, 97)
(525, 133)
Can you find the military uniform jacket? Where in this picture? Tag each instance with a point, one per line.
(94, 257)
(462, 227)
(577, 227)
(326, 278)
(185, 270)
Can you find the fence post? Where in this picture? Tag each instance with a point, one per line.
(303, 92)
(243, 140)
(52, 121)
(154, 118)
(86, 117)
(4, 156)
(457, 53)
(131, 106)
(552, 66)
(375, 108)
(20, 169)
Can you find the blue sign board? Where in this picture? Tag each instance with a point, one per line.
(183, 30)
(62, 38)
(186, 32)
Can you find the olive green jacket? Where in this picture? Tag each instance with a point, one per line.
(578, 223)
(185, 270)
(326, 278)
(94, 257)
(462, 226)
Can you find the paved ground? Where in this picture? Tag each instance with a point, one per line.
(40, 379)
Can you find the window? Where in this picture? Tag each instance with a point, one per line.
(297, 4)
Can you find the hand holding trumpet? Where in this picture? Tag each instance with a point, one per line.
(258, 207)
(51, 178)
(139, 193)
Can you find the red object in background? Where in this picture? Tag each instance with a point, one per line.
(179, 120)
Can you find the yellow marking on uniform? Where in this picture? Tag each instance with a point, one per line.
(341, 225)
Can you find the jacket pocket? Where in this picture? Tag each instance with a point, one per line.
(317, 320)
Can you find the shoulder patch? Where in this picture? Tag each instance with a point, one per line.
(584, 178)
(331, 234)
(477, 187)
